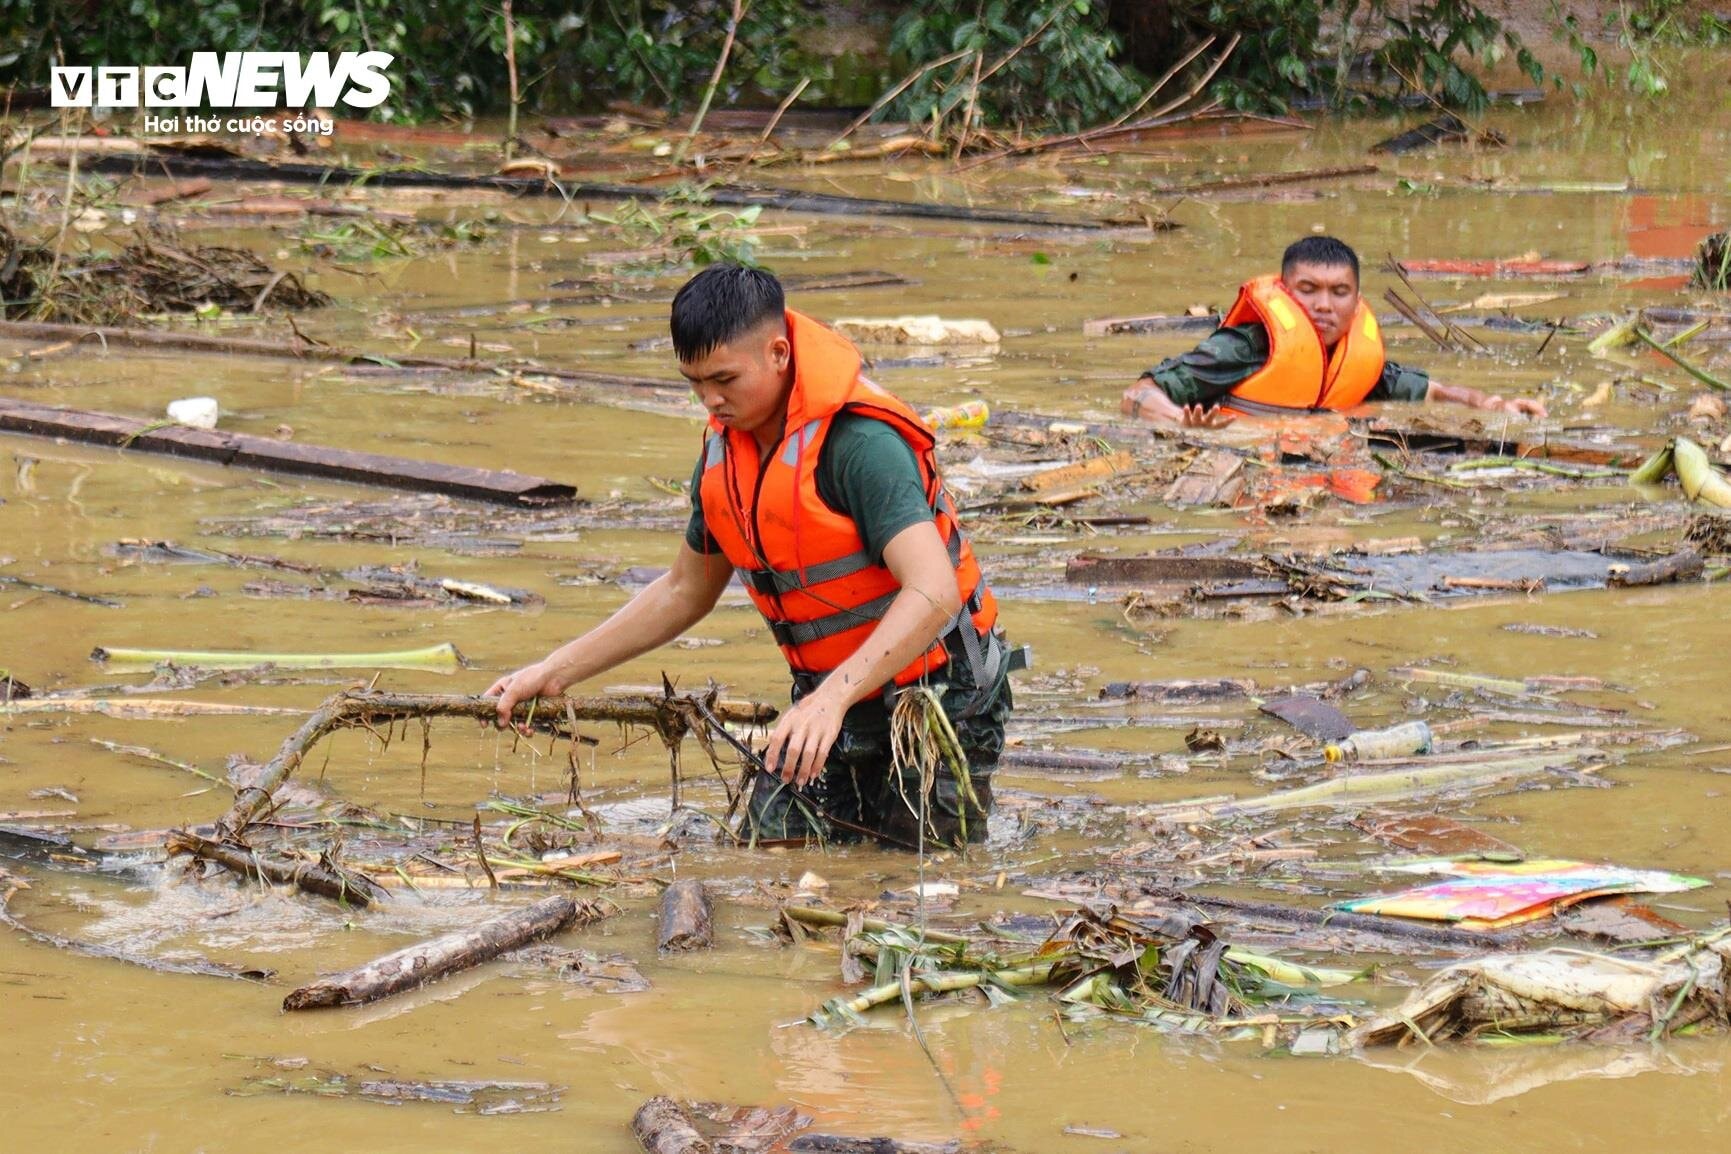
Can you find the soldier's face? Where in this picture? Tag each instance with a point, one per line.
(1329, 294)
(744, 383)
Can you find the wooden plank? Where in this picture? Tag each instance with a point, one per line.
(1071, 476)
(243, 450)
(1092, 569)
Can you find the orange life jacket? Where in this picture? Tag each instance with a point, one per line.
(804, 564)
(1300, 373)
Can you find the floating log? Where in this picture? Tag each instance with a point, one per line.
(687, 918)
(1685, 565)
(239, 168)
(665, 714)
(1092, 569)
(426, 961)
(661, 1126)
(322, 878)
(243, 450)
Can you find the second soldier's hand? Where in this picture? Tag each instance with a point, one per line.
(801, 740)
(1196, 417)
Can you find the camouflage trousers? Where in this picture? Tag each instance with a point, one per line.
(860, 785)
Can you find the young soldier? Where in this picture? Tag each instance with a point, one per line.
(1304, 340)
(821, 491)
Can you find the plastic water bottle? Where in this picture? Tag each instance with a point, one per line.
(1402, 740)
(968, 415)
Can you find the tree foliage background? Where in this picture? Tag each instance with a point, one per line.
(1037, 63)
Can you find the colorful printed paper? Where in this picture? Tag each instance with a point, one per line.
(1493, 895)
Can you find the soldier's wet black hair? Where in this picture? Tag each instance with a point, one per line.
(720, 304)
(1322, 250)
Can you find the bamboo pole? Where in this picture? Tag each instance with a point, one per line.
(145, 708)
(1363, 788)
(714, 81)
(427, 961)
(440, 658)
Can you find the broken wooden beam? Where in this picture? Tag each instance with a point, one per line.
(687, 918)
(1093, 569)
(242, 450)
(427, 961)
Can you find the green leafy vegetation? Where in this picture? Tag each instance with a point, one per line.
(684, 229)
(1051, 63)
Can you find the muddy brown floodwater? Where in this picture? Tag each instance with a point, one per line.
(99, 1056)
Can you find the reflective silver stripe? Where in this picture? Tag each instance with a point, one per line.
(1264, 408)
(805, 632)
(714, 449)
(778, 581)
(797, 443)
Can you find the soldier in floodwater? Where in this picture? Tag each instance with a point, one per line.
(821, 491)
(1303, 341)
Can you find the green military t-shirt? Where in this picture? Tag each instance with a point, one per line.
(864, 471)
(1205, 374)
